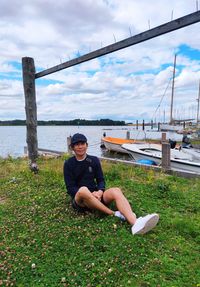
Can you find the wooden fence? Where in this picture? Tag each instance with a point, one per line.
(29, 73)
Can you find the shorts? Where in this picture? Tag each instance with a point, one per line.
(78, 207)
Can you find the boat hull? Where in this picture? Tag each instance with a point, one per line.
(170, 128)
(114, 147)
(115, 144)
(179, 160)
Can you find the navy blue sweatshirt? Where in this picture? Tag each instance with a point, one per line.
(87, 172)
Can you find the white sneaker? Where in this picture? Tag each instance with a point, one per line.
(120, 215)
(145, 224)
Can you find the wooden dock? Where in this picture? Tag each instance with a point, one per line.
(42, 151)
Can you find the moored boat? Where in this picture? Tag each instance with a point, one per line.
(170, 128)
(115, 144)
(179, 160)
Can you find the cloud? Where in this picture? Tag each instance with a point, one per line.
(127, 84)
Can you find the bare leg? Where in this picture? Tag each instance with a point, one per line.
(85, 198)
(116, 195)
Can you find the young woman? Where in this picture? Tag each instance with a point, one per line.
(85, 183)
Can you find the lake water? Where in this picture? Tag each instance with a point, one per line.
(13, 138)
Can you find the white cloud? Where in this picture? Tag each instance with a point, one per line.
(126, 84)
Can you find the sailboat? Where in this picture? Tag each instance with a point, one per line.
(171, 126)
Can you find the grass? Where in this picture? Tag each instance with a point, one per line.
(45, 243)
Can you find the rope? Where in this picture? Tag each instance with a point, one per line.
(95, 144)
(161, 98)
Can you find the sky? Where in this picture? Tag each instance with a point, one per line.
(131, 84)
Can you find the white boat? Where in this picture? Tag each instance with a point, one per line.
(179, 160)
(187, 147)
(194, 152)
(170, 128)
(115, 144)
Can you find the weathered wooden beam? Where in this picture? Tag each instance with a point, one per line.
(30, 107)
(166, 155)
(149, 34)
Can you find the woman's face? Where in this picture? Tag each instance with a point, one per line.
(80, 149)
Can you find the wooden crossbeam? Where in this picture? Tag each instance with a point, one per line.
(149, 34)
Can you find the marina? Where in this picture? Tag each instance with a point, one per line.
(13, 138)
(99, 142)
(53, 140)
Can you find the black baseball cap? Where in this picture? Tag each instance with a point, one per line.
(76, 138)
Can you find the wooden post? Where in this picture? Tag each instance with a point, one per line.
(166, 163)
(143, 125)
(151, 124)
(128, 135)
(163, 137)
(31, 108)
(69, 150)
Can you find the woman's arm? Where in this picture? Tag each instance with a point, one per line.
(70, 183)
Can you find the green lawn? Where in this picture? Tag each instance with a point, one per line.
(43, 242)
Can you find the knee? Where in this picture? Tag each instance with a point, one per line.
(83, 192)
(116, 192)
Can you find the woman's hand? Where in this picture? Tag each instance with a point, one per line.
(98, 194)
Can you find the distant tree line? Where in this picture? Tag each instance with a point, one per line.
(76, 122)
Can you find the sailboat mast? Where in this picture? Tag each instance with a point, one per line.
(172, 97)
(198, 100)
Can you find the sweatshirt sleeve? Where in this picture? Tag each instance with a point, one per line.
(99, 176)
(71, 186)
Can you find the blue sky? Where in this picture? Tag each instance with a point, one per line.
(125, 85)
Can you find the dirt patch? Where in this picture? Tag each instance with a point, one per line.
(2, 200)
